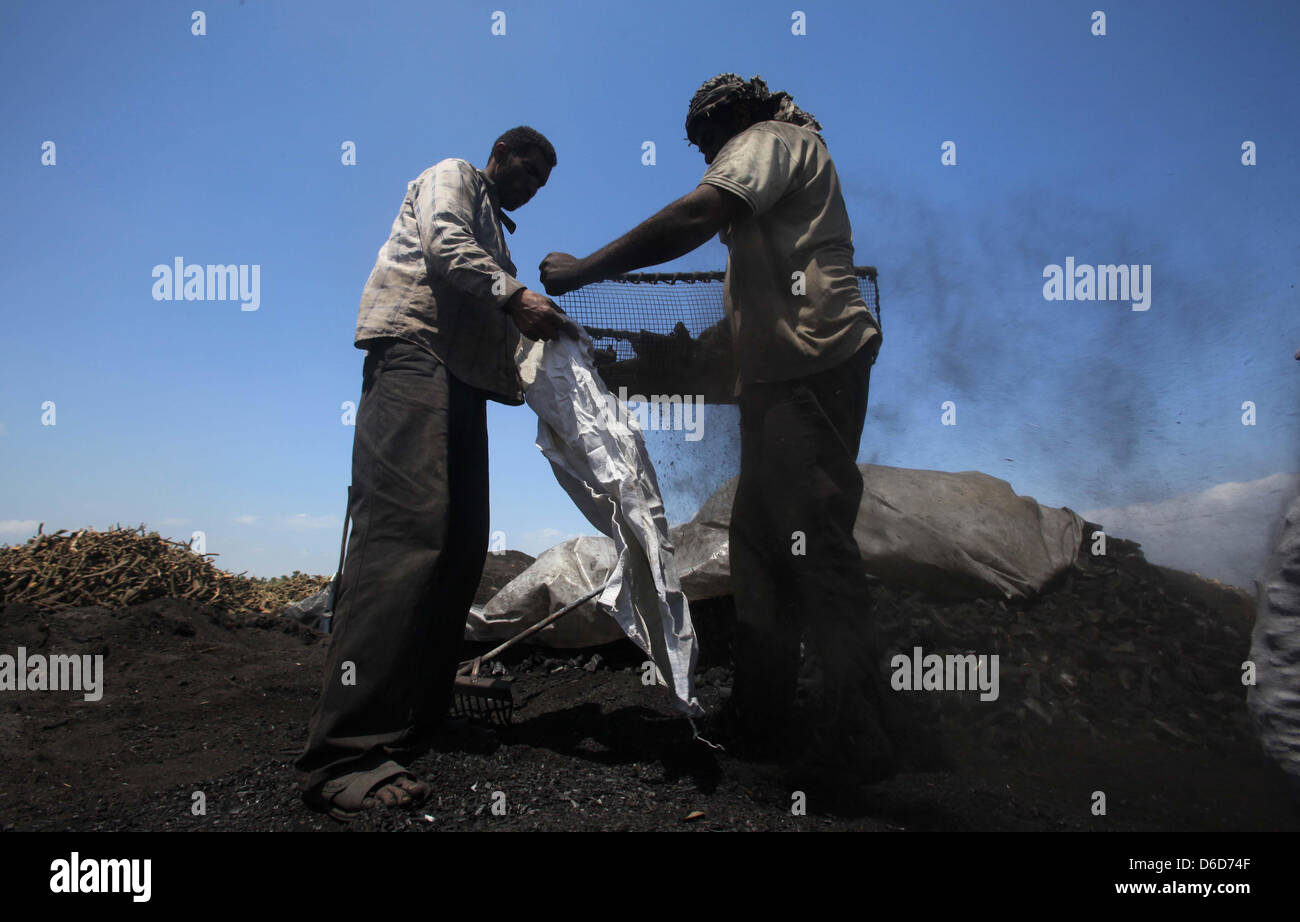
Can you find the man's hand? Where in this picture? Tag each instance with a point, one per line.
(561, 273)
(537, 316)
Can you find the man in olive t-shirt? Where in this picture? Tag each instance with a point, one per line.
(803, 343)
(791, 295)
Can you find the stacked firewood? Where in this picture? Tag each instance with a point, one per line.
(127, 566)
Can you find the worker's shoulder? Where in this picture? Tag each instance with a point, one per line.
(450, 166)
(786, 131)
(802, 144)
(455, 163)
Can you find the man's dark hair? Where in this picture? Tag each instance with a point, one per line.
(521, 139)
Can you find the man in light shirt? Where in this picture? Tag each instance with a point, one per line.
(803, 343)
(440, 318)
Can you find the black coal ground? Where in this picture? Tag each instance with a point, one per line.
(1124, 679)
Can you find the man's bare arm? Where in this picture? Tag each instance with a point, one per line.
(674, 231)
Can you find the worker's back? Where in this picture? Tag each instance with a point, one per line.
(791, 294)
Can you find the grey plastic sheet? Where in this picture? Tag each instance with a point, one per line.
(951, 535)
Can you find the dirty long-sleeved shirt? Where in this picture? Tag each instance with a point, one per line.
(443, 278)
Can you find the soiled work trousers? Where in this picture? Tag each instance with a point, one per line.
(419, 538)
(796, 570)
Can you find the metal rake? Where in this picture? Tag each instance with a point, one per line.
(492, 699)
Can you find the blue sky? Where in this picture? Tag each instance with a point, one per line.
(225, 148)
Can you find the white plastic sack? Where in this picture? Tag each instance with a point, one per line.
(315, 610)
(1274, 699)
(560, 576)
(599, 457)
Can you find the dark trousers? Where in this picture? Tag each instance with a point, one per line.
(419, 538)
(796, 570)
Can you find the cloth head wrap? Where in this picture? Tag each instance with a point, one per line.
(727, 90)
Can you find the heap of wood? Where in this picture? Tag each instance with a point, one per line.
(127, 566)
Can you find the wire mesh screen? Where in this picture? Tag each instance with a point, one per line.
(665, 333)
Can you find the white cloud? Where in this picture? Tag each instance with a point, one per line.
(172, 521)
(245, 520)
(1225, 532)
(303, 520)
(23, 528)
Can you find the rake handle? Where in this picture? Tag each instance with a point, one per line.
(471, 666)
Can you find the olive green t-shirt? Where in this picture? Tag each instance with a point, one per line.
(785, 324)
